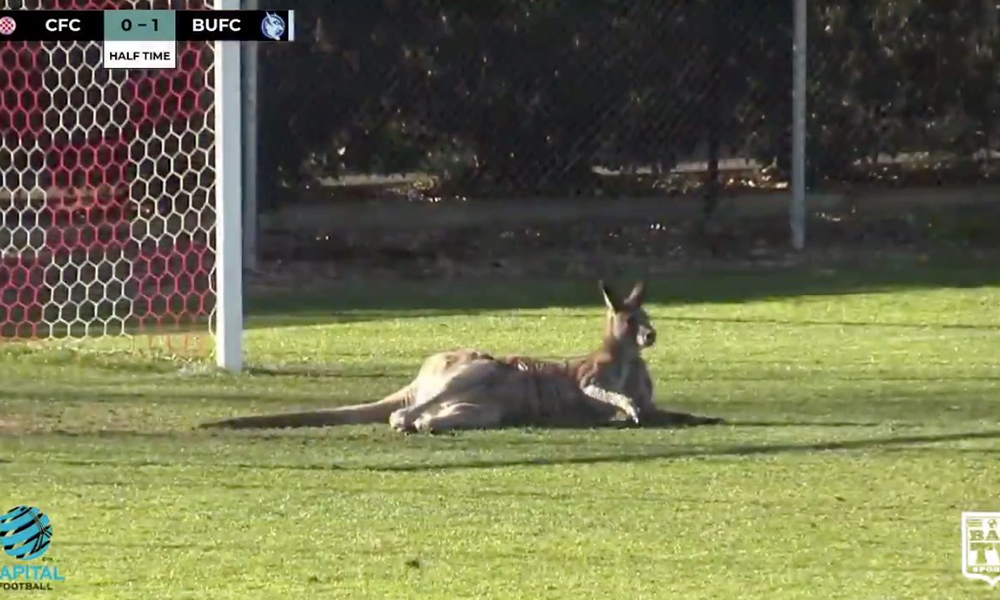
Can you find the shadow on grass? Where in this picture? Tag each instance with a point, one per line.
(886, 442)
(377, 300)
(725, 451)
(107, 398)
(739, 423)
(279, 434)
(307, 372)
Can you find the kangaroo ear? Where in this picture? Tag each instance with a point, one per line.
(609, 297)
(637, 296)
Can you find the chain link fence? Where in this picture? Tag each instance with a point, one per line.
(902, 123)
(523, 97)
(903, 93)
(556, 110)
(546, 109)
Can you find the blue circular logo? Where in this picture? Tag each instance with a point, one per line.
(272, 26)
(25, 532)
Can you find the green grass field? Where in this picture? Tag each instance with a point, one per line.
(864, 418)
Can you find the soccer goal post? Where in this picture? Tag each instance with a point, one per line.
(229, 201)
(120, 192)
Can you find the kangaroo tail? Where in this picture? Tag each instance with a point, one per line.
(373, 412)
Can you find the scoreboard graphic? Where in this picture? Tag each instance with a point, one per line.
(145, 39)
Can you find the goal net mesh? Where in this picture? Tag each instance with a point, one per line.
(106, 190)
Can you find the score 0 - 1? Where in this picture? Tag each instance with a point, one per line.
(126, 24)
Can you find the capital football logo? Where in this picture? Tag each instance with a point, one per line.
(25, 533)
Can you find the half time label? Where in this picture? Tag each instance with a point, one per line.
(140, 55)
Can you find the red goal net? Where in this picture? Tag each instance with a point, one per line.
(106, 188)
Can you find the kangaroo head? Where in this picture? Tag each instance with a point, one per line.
(627, 320)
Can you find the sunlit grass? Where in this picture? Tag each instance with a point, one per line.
(863, 421)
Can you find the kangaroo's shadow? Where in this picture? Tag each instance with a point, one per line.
(620, 456)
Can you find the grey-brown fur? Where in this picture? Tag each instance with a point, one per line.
(471, 389)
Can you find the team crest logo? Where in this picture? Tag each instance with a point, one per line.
(7, 25)
(981, 546)
(272, 27)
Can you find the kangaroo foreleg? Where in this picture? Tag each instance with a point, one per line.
(605, 397)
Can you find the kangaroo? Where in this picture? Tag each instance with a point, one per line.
(472, 389)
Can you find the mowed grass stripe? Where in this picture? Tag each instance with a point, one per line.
(864, 420)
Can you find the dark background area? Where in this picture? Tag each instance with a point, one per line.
(659, 130)
(528, 97)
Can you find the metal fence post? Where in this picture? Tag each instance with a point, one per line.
(798, 207)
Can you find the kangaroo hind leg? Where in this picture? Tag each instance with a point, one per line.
(464, 383)
(462, 415)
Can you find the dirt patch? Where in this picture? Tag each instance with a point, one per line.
(9, 425)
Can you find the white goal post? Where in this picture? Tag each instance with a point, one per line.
(229, 201)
